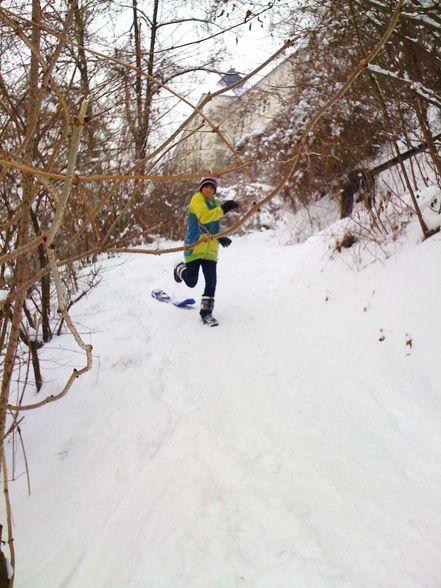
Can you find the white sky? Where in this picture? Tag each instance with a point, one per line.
(251, 49)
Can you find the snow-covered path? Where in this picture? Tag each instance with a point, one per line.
(288, 447)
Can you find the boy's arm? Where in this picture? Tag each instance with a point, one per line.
(205, 215)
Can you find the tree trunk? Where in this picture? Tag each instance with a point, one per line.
(150, 86)
(44, 284)
(84, 72)
(403, 156)
(421, 112)
(138, 82)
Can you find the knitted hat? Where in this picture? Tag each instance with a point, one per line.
(208, 182)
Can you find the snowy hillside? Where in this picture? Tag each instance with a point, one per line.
(297, 445)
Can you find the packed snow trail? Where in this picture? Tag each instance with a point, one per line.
(289, 447)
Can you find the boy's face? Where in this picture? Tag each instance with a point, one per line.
(208, 192)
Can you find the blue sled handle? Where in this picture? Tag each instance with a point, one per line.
(184, 303)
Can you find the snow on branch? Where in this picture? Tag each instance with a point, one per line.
(416, 87)
(417, 16)
(423, 18)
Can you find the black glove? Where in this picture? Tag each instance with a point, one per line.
(224, 241)
(229, 205)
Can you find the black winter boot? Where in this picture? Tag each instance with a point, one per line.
(177, 272)
(207, 305)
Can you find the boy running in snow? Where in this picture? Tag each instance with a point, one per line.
(203, 220)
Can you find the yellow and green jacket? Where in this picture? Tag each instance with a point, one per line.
(203, 220)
